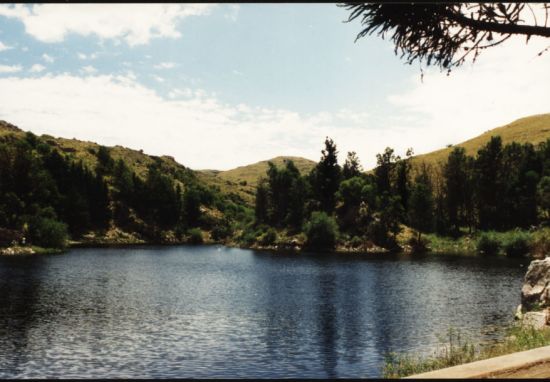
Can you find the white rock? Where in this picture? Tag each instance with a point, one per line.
(537, 320)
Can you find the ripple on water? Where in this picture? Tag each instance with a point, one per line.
(218, 312)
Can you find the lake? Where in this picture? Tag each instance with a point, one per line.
(212, 311)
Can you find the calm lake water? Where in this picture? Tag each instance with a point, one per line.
(211, 311)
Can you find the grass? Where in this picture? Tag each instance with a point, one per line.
(513, 243)
(533, 129)
(243, 180)
(46, 251)
(136, 160)
(457, 351)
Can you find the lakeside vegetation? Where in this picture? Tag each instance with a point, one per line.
(56, 192)
(457, 350)
(495, 202)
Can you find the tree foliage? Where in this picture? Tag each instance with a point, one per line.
(446, 33)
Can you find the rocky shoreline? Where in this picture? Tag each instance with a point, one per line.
(534, 309)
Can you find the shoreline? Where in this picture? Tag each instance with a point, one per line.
(35, 250)
(463, 246)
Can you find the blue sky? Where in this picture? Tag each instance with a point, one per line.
(218, 86)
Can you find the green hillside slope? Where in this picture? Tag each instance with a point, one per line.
(533, 129)
(243, 180)
(145, 198)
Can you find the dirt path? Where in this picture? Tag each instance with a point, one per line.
(534, 363)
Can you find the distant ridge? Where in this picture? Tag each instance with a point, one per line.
(243, 180)
(533, 129)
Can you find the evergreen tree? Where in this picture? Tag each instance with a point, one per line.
(262, 202)
(352, 166)
(489, 184)
(455, 173)
(104, 161)
(543, 197)
(403, 169)
(351, 194)
(297, 201)
(326, 177)
(385, 164)
(421, 203)
(191, 206)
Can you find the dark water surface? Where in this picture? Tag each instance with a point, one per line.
(211, 311)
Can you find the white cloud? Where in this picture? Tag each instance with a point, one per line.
(82, 56)
(177, 93)
(4, 47)
(233, 12)
(10, 68)
(48, 58)
(158, 78)
(37, 68)
(506, 83)
(134, 23)
(165, 65)
(88, 69)
(199, 131)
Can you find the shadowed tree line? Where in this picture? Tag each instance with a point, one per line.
(48, 197)
(502, 187)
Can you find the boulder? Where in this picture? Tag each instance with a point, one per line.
(535, 293)
(519, 313)
(537, 320)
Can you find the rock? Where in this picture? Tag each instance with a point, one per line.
(535, 293)
(519, 313)
(536, 320)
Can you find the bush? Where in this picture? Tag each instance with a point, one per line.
(356, 242)
(321, 231)
(540, 245)
(195, 236)
(380, 236)
(248, 236)
(418, 245)
(269, 238)
(517, 244)
(488, 244)
(222, 230)
(47, 232)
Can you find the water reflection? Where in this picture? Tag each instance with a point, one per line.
(219, 312)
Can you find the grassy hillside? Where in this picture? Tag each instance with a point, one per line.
(533, 129)
(136, 207)
(243, 180)
(136, 160)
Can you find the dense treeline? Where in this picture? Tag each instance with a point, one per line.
(500, 188)
(48, 197)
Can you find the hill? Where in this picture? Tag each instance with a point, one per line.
(533, 129)
(136, 160)
(243, 180)
(104, 194)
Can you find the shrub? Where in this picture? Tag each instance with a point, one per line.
(418, 245)
(269, 238)
(248, 236)
(380, 236)
(540, 245)
(321, 231)
(222, 230)
(47, 232)
(488, 244)
(356, 242)
(517, 244)
(195, 236)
